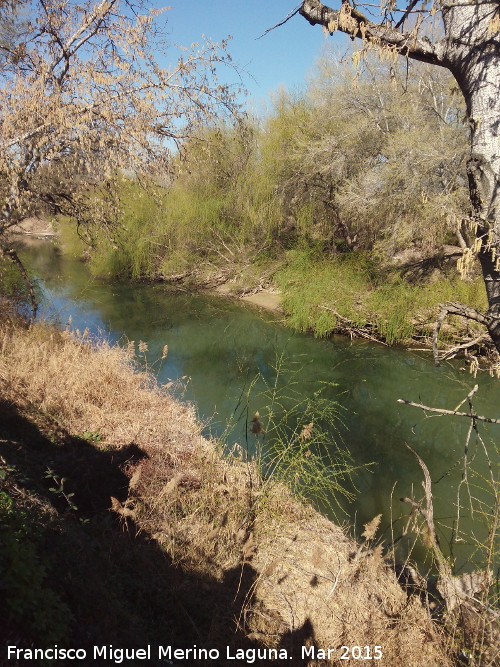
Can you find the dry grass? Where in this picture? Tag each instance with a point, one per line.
(90, 388)
(272, 572)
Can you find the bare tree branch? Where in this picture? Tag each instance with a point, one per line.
(455, 413)
(14, 258)
(450, 308)
(350, 20)
(287, 18)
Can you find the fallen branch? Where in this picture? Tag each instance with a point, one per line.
(352, 328)
(449, 354)
(428, 515)
(450, 308)
(479, 621)
(470, 415)
(177, 277)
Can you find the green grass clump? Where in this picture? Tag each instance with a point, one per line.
(311, 284)
(327, 294)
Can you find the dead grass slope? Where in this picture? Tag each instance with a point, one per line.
(176, 539)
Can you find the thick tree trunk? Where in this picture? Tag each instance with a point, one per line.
(483, 169)
(473, 54)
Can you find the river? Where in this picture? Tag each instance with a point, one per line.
(218, 348)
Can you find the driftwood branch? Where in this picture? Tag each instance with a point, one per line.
(428, 515)
(440, 411)
(450, 308)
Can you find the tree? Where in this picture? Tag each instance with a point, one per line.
(468, 46)
(84, 98)
(376, 163)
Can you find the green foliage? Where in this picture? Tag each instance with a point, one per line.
(337, 183)
(15, 297)
(92, 436)
(321, 294)
(30, 604)
(59, 488)
(379, 165)
(12, 285)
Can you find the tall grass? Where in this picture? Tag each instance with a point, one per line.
(295, 440)
(323, 295)
(301, 443)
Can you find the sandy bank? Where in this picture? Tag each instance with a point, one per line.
(270, 300)
(264, 299)
(34, 227)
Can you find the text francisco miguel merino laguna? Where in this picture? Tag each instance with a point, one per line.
(120, 655)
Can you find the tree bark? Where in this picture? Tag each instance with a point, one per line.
(474, 56)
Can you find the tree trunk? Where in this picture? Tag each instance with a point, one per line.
(483, 168)
(474, 57)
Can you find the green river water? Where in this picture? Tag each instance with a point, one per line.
(219, 346)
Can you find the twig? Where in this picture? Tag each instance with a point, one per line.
(468, 397)
(488, 420)
(287, 18)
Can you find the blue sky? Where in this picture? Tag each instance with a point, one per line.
(284, 56)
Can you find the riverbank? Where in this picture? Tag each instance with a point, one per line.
(357, 293)
(148, 535)
(350, 294)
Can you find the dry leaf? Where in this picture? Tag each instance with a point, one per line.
(306, 432)
(256, 425)
(117, 507)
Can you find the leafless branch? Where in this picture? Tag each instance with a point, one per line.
(469, 415)
(14, 258)
(450, 308)
(287, 18)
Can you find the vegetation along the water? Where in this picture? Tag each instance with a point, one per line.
(369, 201)
(347, 199)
